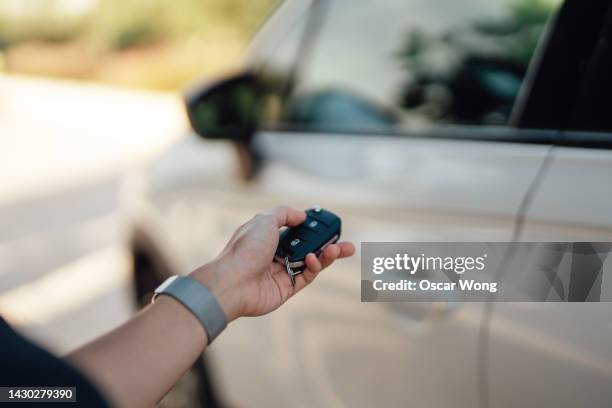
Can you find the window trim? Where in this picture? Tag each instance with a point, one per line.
(502, 134)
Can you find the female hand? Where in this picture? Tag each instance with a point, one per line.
(244, 277)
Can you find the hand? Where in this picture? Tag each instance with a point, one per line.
(244, 277)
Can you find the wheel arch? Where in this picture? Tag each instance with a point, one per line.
(150, 267)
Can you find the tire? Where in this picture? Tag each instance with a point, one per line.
(194, 389)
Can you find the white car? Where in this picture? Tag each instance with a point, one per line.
(414, 120)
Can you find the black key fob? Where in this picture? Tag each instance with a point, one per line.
(320, 229)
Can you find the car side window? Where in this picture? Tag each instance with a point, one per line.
(277, 53)
(393, 65)
(592, 109)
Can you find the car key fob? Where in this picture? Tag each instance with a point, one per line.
(320, 229)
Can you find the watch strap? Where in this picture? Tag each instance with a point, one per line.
(198, 300)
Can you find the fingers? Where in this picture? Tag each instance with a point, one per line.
(346, 249)
(315, 265)
(329, 255)
(287, 216)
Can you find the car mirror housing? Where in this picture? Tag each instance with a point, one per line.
(229, 109)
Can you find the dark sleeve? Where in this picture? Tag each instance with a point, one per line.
(24, 364)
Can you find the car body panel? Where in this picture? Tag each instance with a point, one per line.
(562, 350)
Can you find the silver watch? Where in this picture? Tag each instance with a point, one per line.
(198, 300)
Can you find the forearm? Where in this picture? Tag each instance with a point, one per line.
(137, 363)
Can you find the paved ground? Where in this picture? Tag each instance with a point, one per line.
(64, 149)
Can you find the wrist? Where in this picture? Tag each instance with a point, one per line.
(218, 282)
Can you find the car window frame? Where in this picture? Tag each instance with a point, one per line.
(311, 13)
(590, 125)
(542, 109)
(545, 104)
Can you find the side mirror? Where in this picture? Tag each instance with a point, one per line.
(230, 109)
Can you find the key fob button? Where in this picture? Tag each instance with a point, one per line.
(325, 217)
(289, 242)
(320, 228)
(315, 225)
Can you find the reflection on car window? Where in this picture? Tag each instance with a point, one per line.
(394, 64)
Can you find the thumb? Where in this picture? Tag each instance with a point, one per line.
(287, 216)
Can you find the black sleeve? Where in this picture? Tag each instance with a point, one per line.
(24, 364)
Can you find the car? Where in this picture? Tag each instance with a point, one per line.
(437, 120)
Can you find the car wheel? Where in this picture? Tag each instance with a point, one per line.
(194, 389)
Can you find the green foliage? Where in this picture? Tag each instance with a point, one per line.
(520, 32)
(121, 24)
(42, 23)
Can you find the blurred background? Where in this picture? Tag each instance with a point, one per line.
(127, 43)
(88, 90)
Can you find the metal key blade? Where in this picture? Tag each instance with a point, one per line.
(289, 271)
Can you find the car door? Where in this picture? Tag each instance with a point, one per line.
(559, 354)
(394, 115)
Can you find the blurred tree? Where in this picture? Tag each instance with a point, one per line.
(42, 20)
(483, 66)
(143, 43)
(123, 24)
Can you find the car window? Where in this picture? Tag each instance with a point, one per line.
(399, 64)
(592, 109)
(278, 51)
